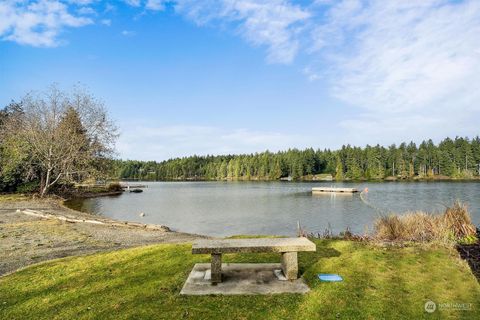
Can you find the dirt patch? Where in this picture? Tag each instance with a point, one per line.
(471, 254)
(27, 239)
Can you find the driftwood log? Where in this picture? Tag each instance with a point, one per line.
(45, 215)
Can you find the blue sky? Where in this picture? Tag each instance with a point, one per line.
(211, 77)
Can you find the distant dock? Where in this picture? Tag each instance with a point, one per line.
(334, 190)
(133, 186)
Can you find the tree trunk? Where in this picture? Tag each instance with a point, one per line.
(46, 185)
(42, 181)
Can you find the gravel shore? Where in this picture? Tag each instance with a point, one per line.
(26, 238)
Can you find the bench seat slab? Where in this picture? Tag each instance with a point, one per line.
(205, 246)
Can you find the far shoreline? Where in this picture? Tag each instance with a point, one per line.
(475, 179)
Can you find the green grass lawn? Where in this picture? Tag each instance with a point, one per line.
(144, 283)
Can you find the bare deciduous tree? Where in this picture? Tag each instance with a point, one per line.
(65, 133)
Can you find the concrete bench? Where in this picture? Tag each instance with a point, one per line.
(288, 247)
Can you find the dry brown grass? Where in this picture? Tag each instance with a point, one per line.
(114, 186)
(453, 225)
(458, 221)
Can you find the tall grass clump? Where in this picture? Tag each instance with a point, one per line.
(457, 220)
(114, 187)
(454, 225)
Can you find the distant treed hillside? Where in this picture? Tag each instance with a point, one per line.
(458, 158)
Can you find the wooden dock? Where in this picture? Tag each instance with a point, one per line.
(334, 190)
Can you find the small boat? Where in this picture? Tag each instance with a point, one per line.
(136, 190)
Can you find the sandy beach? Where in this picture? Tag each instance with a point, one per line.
(33, 231)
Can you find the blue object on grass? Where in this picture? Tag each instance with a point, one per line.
(329, 277)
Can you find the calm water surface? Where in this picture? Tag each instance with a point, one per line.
(229, 208)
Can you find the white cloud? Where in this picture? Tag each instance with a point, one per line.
(106, 22)
(109, 8)
(36, 23)
(133, 3)
(128, 33)
(397, 56)
(412, 66)
(310, 74)
(156, 5)
(82, 2)
(145, 142)
(86, 11)
(273, 23)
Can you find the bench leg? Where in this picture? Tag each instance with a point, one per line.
(290, 265)
(216, 269)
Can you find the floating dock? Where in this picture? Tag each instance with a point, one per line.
(133, 186)
(334, 190)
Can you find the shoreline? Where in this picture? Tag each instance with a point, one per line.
(87, 195)
(386, 179)
(37, 230)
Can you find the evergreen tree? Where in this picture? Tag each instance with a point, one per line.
(339, 170)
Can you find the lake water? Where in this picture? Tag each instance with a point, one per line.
(230, 208)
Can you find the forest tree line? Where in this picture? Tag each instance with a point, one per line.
(457, 158)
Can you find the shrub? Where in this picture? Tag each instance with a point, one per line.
(28, 187)
(453, 225)
(114, 186)
(389, 228)
(64, 187)
(458, 221)
(468, 240)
